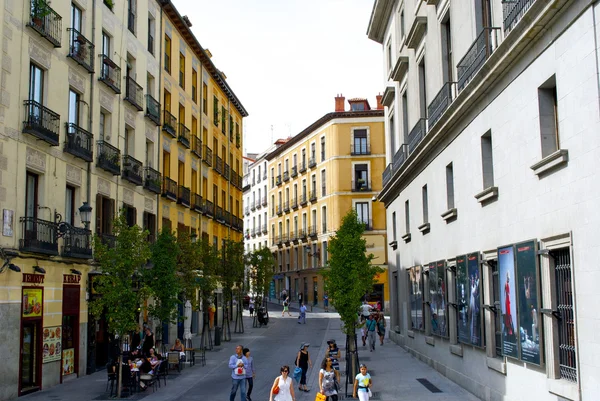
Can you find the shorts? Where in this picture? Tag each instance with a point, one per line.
(285, 309)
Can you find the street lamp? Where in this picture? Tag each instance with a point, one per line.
(85, 211)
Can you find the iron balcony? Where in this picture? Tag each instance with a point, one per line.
(169, 124)
(46, 21)
(132, 170)
(184, 196)
(109, 158)
(184, 135)
(152, 182)
(153, 109)
(39, 236)
(41, 122)
(79, 142)
(110, 74)
(134, 93)
(81, 49)
(169, 189)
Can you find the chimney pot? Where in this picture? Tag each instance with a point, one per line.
(339, 103)
(379, 104)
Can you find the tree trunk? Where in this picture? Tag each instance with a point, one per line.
(351, 361)
(120, 370)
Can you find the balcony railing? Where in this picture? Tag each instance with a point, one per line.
(169, 124)
(209, 208)
(313, 196)
(476, 56)
(41, 122)
(303, 199)
(227, 217)
(324, 228)
(132, 170)
(400, 157)
(302, 168)
(294, 171)
(79, 142)
(312, 162)
(197, 203)
(361, 185)
(247, 210)
(108, 240)
(153, 109)
(39, 236)
(302, 234)
(286, 176)
(253, 232)
(207, 156)
(357, 149)
(417, 134)
(278, 180)
(294, 203)
(109, 158)
(252, 206)
(312, 231)
(169, 189)
(184, 196)
(152, 181)
(110, 74)
(184, 135)
(226, 171)
(80, 49)
(440, 102)
(196, 146)
(239, 180)
(258, 205)
(285, 239)
(279, 210)
(513, 11)
(387, 174)
(264, 229)
(219, 214)
(45, 21)
(77, 242)
(134, 93)
(286, 207)
(218, 165)
(264, 201)
(368, 224)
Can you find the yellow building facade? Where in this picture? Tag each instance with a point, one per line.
(201, 139)
(315, 178)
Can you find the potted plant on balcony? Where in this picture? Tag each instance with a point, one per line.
(361, 184)
(40, 9)
(110, 4)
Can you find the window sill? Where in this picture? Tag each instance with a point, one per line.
(430, 340)
(406, 238)
(424, 228)
(563, 389)
(394, 245)
(487, 195)
(450, 215)
(550, 162)
(497, 364)
(456, 349)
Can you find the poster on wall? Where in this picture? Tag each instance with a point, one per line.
(508, 301)
(433, 298)
(462, 299)
(474, 310)
(32, 302)
(529, 308)
(442, 298)
(52, 344)
(68, 361)
(411, 297)
(416, 297)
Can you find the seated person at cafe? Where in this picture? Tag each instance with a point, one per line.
(178, 346)
(150, 363)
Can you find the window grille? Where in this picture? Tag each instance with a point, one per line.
(566, 322)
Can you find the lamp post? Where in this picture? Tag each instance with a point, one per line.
(85, 212)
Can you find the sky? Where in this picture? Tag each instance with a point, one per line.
(286, 60)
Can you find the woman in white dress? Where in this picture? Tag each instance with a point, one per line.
(285, 385)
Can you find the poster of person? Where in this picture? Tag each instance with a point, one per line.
(416, 297)
(508, 301)
(474, 311)
(462, 299)
(32, 302)
(52, 344)
(68, 361)
(442, 300)
(433, 298)
(411, 297)
(529, 308)
(7, 222)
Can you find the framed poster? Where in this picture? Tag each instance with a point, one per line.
(411, 297)
(474, 310)
(415, 283)
(508, 301)
(433, 297)
(32, 302)
(442, 302)
(51, 344)
(462, 299)
(527, 284)
(7, 222)
(68, 361)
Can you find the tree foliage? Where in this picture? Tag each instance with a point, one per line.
(207, 278)
(350, 274)
(189, 266)
(120, 284)
(261, 263)
(232, 267)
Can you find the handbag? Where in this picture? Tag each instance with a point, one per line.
(276, 388)
(320, 397)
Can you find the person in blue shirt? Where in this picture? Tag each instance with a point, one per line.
(250, 373)
(238, 365)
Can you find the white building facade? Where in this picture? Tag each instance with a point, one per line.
(492, 121)
(255, 205)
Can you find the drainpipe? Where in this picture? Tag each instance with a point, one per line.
(160, 96)
(91, 112)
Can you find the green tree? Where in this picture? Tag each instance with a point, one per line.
(261, 264)
(208, 282)
(189, 266)
(122, 291)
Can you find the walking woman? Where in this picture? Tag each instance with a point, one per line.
(381, 326)
(250, 373)
(285, 388)
(303, 362)
(334, 354)
(362, 384)
(328, 380)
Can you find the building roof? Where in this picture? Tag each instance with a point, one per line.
(188, 35)
(320, 122)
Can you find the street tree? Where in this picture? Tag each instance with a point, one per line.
(261, 264)
(208, 282)
(232, 276)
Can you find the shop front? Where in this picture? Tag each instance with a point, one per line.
(32, 351)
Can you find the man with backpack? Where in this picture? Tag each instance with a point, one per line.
(371, 326)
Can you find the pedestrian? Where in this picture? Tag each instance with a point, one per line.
(334, 353)
(251, 307)
(300, 299)
(381, 326)
(283, 388)
(286, 304)
(148, 342)
(362, 384)
(326, 302)
(250, 373)
(238, 365)
(303, 361)
(371, 326)
(302, 316)
(365, 310)
(329, 379)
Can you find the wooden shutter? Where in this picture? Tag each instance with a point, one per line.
(98, 213)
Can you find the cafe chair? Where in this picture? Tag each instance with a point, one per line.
(112, 378)
(162, 371)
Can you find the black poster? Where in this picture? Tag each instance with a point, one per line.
(508, 301)
(442, 314)
(527, 285)
(418, 306)
(462, 299)
(474, 309)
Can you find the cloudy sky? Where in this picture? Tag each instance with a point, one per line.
(287, 59)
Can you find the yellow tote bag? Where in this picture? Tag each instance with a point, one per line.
(320, 397)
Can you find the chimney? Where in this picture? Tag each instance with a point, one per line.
(379, 105)
(339, 103)
(187, 21)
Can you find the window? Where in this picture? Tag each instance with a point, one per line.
(304, 158)
(167, 54)
(216, 111)
(362, 210)
(272, 177)
(361, 177)
(149, 224)
(324, 219)
(548, 105)
(360, 141)
(402, 24)
(36, 84)
(151, 30)
(130, 214)
(446, 50)
(422, 90)
(73, 117)
(105, 45)
(563, 283)
(325, 254)
(450, 186)
(76, 18)
(194, 86)
(393, 226)
(131, 11)
(487, 162)
(405, 116)
(407, 216)
(105, 213)
(223, 119)
(322, 148)
(31, 195)
(182, 70)
(425, 204)
(313, 151)
(103, 125)
(323, 183)
(204, 98)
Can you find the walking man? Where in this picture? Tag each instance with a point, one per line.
(371, 326)
(238, 365)
(326, 302)
(250, 373)
(302, 317)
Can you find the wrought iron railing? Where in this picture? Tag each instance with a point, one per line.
(417, 134)
(264, 201)
(207, 155)
(184, 196)
(278, 180)
(197, 203)
(361, 185)
(226, 171)
(133, 170)
(77, 242)
(184, 135)
(440, 103)
(45, 21)
(41, 122)
(39, 236)
(303, 199)
(361, 148)
(252, 206)
(169, 189)
(134, 93)
(79, 142)
(302, 168)
(387, 174)
(219, 214)
(312, 162)
(169, 124)
(513, 11)
(400, 157)
(567, 351)
(81, 49)
(108, 240)
(294, 171)
(476, 56)
(286, 176)
(313, 196)
(302, 234)
(209, 208)
(294, 203)
(312, 231)
(264, 229)
(279, 209)
(109, 158)
(152, 181)
(196, 146)
(218, 165)
(110, 74)
(286, 207)
(153, 109)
